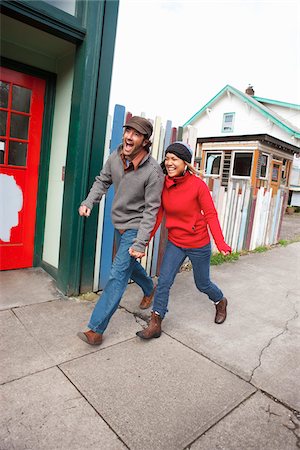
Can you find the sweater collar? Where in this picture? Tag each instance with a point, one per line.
(169, 182)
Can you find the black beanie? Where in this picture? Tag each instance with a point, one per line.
(181, 150)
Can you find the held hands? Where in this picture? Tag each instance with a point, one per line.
(84, 211)
(135, 254)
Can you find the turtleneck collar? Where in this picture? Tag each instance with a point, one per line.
(169, 182)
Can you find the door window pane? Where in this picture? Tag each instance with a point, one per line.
(263, 166)
(2, 150)
(213, 162)
(242, 164)
(19, 126)
(21, 99)
(275, 172)
(17, 153)
(4, 89)
(3, 119)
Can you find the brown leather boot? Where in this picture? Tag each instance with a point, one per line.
(146, 301)
(154, 328)
(221, 311)
(90, 337)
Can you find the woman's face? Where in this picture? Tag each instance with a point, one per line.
(174, 165)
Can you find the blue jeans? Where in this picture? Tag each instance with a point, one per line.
(123, 268)
(172, 261)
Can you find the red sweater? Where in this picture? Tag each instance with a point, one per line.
(189, 209)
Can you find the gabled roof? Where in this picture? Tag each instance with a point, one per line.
(288, 127)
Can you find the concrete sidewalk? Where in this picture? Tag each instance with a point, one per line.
(200, 386)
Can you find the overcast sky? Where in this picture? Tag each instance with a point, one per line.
(172, 57)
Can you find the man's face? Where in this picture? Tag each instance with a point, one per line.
(133, 142)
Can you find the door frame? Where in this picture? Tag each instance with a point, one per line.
(43, 176)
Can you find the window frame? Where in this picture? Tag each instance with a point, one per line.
(232, 123)
(241, 177)
(267, 165)
(213, 175)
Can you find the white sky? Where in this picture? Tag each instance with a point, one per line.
(172, 57)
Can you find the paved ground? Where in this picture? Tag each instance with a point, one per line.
(290, 228)
(200, 386)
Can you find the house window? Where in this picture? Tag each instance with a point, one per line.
(264, 162)
(213, 163)
(228, 119)
(242, 164)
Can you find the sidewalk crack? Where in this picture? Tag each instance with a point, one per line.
(285, 329)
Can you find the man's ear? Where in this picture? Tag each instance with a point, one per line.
(145, 142)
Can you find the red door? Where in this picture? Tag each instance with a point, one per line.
(21, 118)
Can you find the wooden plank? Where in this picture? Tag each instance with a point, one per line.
(237, 222)
(270, 219)
(284, 205)
(250, 223)
(233, 214)
(245, 210)
(101, 212)
(108, 229)
(227, 211)
(256, 218)
(179, 133)
(147, 261)
(168, 135)
(275, 218)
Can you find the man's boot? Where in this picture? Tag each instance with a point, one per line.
(90, 337)
(147, 300)
(221, 311)
(154, 328)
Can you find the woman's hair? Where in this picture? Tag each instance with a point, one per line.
(189, 166)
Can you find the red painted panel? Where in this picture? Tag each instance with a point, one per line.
(20, 182)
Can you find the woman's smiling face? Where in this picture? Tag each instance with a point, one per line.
(174, 165)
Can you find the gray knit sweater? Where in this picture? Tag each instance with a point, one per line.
(137, 195)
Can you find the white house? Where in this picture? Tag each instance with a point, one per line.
(248, 139)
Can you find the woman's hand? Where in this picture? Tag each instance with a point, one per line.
(135, 254)
(225, 253)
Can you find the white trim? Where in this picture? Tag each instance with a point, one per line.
(242, 177)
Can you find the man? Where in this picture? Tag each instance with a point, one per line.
(138, 181)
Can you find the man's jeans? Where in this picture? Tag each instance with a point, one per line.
(123, 268)
(172, 261)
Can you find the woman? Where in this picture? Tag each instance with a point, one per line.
(189, 211)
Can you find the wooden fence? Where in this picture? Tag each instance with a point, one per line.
(247, 220)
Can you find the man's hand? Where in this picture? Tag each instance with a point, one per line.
(84, 211)
(136, 254)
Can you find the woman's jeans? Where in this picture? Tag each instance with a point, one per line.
(172, 261)
(124, 268)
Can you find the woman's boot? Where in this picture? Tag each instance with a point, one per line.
(154, 328)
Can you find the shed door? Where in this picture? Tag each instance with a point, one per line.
(21, 118)
(276, 168)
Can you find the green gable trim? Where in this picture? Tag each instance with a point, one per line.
(204, 108)
(277, 102)
(253, 104)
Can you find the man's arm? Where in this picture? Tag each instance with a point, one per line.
(101, 184)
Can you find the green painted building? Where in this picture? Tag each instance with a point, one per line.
(56, 66)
